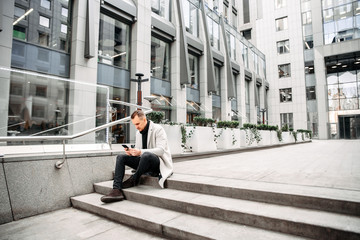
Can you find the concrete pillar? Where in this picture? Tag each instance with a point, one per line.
(6, 20)
(140, 54)
(82, 99)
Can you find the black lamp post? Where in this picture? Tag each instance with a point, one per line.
(139, 81)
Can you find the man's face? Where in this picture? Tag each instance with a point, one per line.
(139, 123)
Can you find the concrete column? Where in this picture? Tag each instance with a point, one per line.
(178, 93)
(140, 54)
(205, 98)
(82, 99)
(7, 18)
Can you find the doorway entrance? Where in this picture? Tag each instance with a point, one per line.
(349, 127)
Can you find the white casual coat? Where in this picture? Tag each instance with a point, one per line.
(157, 143)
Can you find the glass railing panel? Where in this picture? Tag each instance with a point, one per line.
(44, 105)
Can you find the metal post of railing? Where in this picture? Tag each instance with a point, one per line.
(60, 163)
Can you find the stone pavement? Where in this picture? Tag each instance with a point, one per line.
(333, 164)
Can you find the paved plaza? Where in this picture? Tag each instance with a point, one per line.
(333, 164)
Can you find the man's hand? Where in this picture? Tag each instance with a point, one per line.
(133, 151)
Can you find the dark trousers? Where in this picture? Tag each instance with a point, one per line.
(147, 162)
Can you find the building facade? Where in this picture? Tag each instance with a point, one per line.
(312, 51)
(62, 60)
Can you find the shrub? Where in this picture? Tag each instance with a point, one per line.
(228, 124)
(155, 116)
(204, 122)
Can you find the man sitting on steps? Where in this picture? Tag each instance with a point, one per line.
(151, 154)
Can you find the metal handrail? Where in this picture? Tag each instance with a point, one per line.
(60, 163)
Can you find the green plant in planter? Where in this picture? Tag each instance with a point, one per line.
(285, 128)
(203, 122)
(294, 134)
(252, 133)
(279, 135)
(155, 116)
(185, 136)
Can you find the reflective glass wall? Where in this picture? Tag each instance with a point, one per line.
(341, 20)
(42, 36)
(343, 87)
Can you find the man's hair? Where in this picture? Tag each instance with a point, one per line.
(138, 113)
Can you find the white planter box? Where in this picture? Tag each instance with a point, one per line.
(201, 140)
(174, 138)
(265, 138)
(274, 138)
(287, 137)
(245, 142)
(299, 137)
(229, 138)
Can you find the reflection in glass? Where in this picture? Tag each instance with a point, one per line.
(191, 18)
(160, 59)
(347, 76)
(333, 92)
(194, 71)
(334, 105)
(349, 90)
(161, 8)
(349, 104)
(285, 95)
(32, 25)
(217, 80)
(284, 70)
(332, 78)
(281, 24)
(114, 38)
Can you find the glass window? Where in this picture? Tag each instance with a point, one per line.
(45, 4)
(306, 17)
(160, 59)
(18, 12)
(310, 93)
(64, 12)
(19, 32)
(191, 18)
(214, 33)
(231, 45)
(308, 42)
(333, 92)
(309, 68)
(345, 77)
(283, 47)
(246, 34)
(234, 19)
(348, 90)
(194, 71)
(161, 8)
(280, 3)
(226, 12)
(285, 95)
(29, 22)
(43, 39)
(287, 119)
(247, 92)
(284, 70)
(114, 40)
(44, 21)
(63, 28)
(281, 24)
(217, 80)
(245, 55)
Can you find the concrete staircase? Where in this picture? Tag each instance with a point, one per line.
(198, 207)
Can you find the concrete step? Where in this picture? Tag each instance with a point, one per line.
(291, 220)
(317, 198)
(172, 224)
